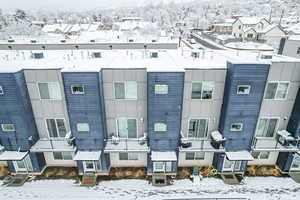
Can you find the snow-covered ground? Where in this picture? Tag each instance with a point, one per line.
(257, 188)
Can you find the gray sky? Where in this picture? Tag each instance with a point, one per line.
(75, 4)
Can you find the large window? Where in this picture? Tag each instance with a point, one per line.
(266, 127)
(63, 155)
(261, 155)
(202, 90)
(56, 127)
(243, 89)
(128, 156)
(127, 128)
(8, 127)
(198, 128)
(161, 89)
(126, 90)
(160, 127)
(49, 91)
(195, 156)
(276, 90)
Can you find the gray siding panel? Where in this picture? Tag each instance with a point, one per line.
(294, 122)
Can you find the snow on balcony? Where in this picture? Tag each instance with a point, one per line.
(124, 145)
(52, 145)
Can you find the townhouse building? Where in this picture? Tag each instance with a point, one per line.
(156, 109)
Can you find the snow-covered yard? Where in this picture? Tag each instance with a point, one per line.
(257, 188)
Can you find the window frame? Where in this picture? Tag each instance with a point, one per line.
(237, 90)
(1, 90)
(76, 93)
(50, 99)
(201, 99)
(129, 158)
(160, 123)
(117, 128)
(240, 123)
(161, 85)
(278, 82)
(194, 156)
(13, 125)
(63, 155)
(275, 130)
(56, 127)
(259, 155)
(125, 90)
(207, 127)
(88, 125)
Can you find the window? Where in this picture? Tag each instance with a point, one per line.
(8, 127)
(243, 89)
(128, 156)
(236, 127)
(240, 27)
(56, 127)
(126, 90)
(1, 90)
(298, 50)
(195, 156)
(159, 166)
(276, 90)
(62, 155)
(49, 91)
(198, 128)
(202, 90)
(127, 128)
(249, 35)
(266, 127)
(96, 55)
(77, 89)
(83, 127)
(160, 127)
(161, 89)
(260, 155)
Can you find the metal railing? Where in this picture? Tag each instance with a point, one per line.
(274, 144)
(198, 144)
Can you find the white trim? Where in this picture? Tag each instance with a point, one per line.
(78, 85)
(278, 82)
(14, 128)
(201, 99)
(207, 128)
(117, 130)
(159, 170)
(239, 123)
(125, 82)
(56, 127)
(275, 130)
(228, 169)
(237, 89)
(60, 92)
(160, 123)
(88, 170)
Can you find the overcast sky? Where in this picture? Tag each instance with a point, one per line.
(75, 4)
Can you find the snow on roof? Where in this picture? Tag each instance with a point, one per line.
(163, 156)
(249, 46)
(269, 28)
(12, 155)
(250, 20)
(294, 37)
(87, 155)
(239, 155)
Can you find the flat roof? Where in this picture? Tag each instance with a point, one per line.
(239, 155)
(12, 155)
(87, 155)
(163, 156)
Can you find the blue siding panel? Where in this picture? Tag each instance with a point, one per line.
(242, 108)
(284, 161)
(87, 108)
(294, 122)
(15, 108)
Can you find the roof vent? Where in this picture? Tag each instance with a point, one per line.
(266, 56)
(195, 54)
(33, 41)
(96, 55)
(37, 55)
(154, 54)
(10, 40)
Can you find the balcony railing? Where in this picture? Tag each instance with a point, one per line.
(274, 144)
(54, 144)
(197, 144)
(126, 144)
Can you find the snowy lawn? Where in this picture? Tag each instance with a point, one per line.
(255, 188)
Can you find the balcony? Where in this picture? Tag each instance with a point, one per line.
(283, 142)
(125, 145)
(54, 144)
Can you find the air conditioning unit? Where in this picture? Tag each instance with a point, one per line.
(71, 141)
(115, 140)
